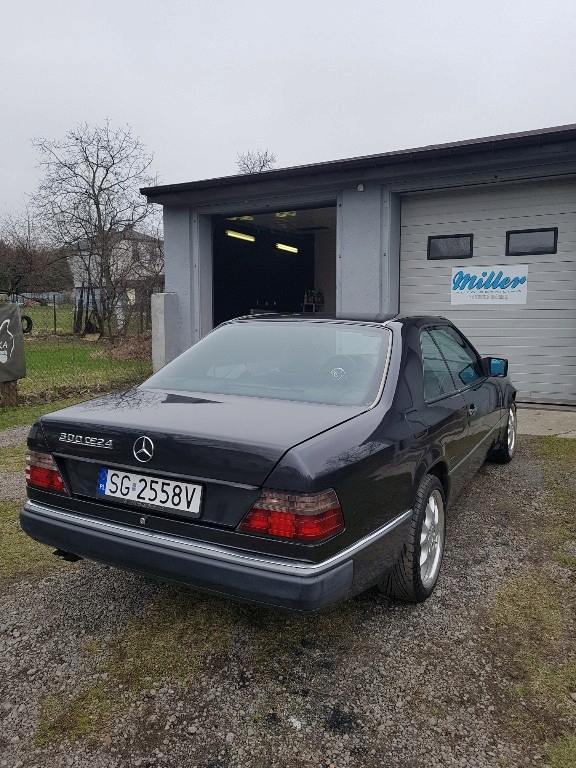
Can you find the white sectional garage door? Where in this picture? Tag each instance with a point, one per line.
(538, 337)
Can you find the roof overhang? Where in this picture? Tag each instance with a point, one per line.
(547, 145)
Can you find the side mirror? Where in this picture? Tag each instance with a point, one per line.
(495, 366)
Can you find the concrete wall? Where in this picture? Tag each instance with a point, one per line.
(164, 329)
(368, 252)
(188, 271)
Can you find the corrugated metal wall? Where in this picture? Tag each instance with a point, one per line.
(538, 338)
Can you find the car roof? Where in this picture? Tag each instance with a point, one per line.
(380, 320)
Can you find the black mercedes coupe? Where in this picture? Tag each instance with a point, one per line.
(285, 460)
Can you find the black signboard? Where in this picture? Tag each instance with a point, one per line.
(12, 360)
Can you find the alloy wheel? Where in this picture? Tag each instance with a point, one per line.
(432, 539)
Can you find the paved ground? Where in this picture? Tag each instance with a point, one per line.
(547, 421)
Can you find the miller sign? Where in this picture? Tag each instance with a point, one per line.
(490, 285)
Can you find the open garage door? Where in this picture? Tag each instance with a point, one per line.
(526, 229)
(283, 261)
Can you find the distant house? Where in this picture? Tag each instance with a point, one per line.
(119, 281)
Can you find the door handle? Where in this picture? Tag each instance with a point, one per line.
(472, 410)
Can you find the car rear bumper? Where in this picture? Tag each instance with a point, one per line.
(284, 583)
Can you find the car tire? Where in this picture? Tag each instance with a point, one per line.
(413, 579)
(26, 324)
(505, 450)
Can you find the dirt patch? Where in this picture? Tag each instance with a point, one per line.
(130, 348)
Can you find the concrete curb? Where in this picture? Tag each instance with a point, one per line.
(547, 421)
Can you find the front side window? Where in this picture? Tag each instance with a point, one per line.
(330, 363)
(461, 359)
(531, 242)
(450, 247)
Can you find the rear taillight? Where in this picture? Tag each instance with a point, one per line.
(42, 472)
(290, 516)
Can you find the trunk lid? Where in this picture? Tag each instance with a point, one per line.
(224, 438)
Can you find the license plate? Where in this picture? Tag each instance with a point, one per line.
(143, 489)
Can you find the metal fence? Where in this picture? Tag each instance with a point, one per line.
(60, 312)
(61, 363)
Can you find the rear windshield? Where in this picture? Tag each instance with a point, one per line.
(330, 363)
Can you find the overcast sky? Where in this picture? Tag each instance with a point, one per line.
(310, 80)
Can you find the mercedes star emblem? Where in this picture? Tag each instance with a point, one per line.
(143, 449)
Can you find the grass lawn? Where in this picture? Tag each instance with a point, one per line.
(19, 554)
(27, 414)
(58, 367)
(43, 318)
(61, 365)
(13, 457)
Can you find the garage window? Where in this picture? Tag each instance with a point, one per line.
(450, 246)
(531, 242)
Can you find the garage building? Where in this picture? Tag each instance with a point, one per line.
(482, 232)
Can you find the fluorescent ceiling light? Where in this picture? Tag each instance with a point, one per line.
(289, 248)
(240, 235)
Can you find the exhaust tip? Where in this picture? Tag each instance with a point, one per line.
(68, 556)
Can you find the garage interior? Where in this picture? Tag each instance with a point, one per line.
(279, 261)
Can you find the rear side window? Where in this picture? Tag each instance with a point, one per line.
(437, 377)
(460, 358)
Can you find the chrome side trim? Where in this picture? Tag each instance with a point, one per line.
(215, 552)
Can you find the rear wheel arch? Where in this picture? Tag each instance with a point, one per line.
(505, 449)
(415, 572)
(510, 397)
(439, 469)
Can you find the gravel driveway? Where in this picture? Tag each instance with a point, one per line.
(174, 678)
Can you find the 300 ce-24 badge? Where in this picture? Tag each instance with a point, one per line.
(96, 442)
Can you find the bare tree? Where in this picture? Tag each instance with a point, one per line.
(27, 260)
(137, 269)
(254, 162)
(90, 202)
